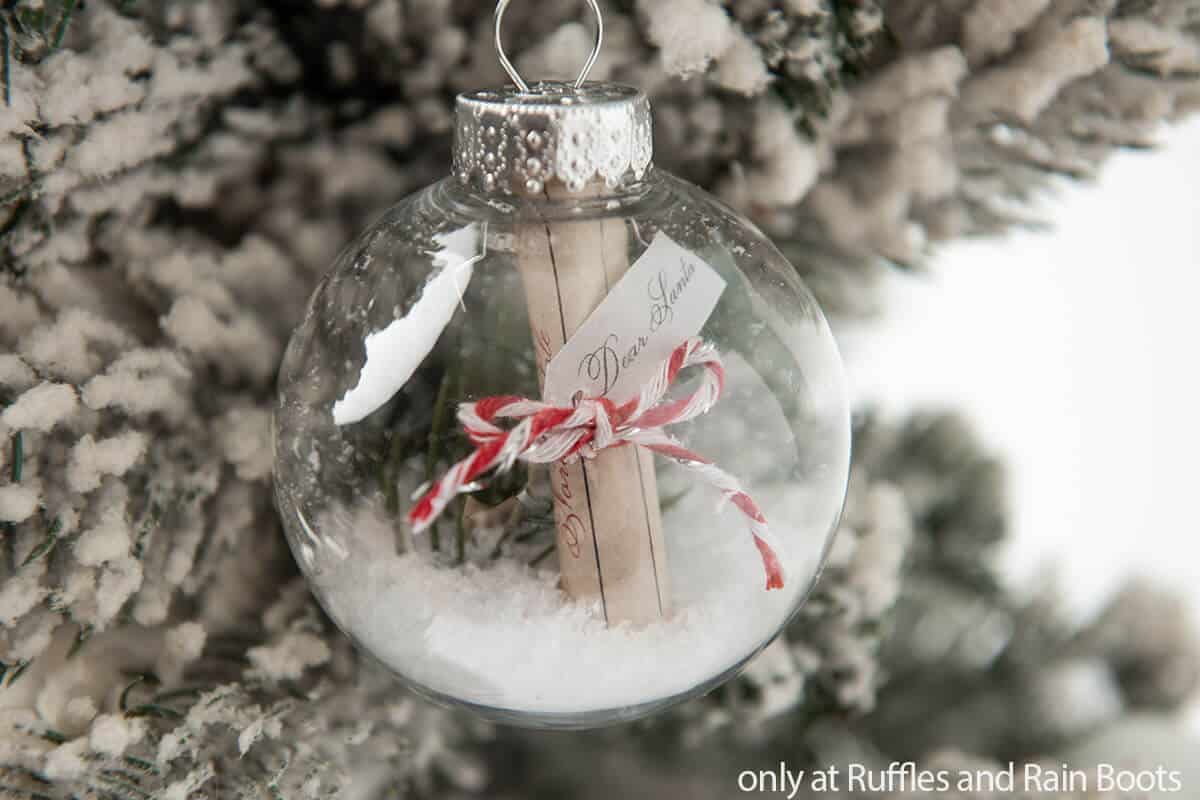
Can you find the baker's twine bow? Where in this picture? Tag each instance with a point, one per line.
(547, 433)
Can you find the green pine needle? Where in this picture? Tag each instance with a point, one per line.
(154, 710)
(81, 638)
(18, 455)
(64, 20)
(141, 764)
(175, 694)
(18, 670)
(18, 213)
(47, 544)
(151, 709)
(123, 702)
(7, 67)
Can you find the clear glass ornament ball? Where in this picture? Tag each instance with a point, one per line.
(440, 302)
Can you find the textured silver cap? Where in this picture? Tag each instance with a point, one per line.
(519, 143)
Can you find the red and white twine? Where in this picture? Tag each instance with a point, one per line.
(547, 433)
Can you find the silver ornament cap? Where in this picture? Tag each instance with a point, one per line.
(516, 142)
(525, 140)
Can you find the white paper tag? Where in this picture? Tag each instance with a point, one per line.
(665, 297)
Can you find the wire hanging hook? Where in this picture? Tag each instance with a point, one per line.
(502, 6)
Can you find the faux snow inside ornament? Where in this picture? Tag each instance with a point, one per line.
(561, 439)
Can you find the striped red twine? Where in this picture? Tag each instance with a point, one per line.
(547, 433)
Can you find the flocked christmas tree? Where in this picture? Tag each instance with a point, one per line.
(176, 175)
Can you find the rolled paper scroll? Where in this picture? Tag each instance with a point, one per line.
(609, 524)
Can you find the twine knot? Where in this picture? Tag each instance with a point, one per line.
(545, 433)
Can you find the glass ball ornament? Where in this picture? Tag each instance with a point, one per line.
(613, 583)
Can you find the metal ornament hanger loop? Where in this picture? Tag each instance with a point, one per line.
(502, 6)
